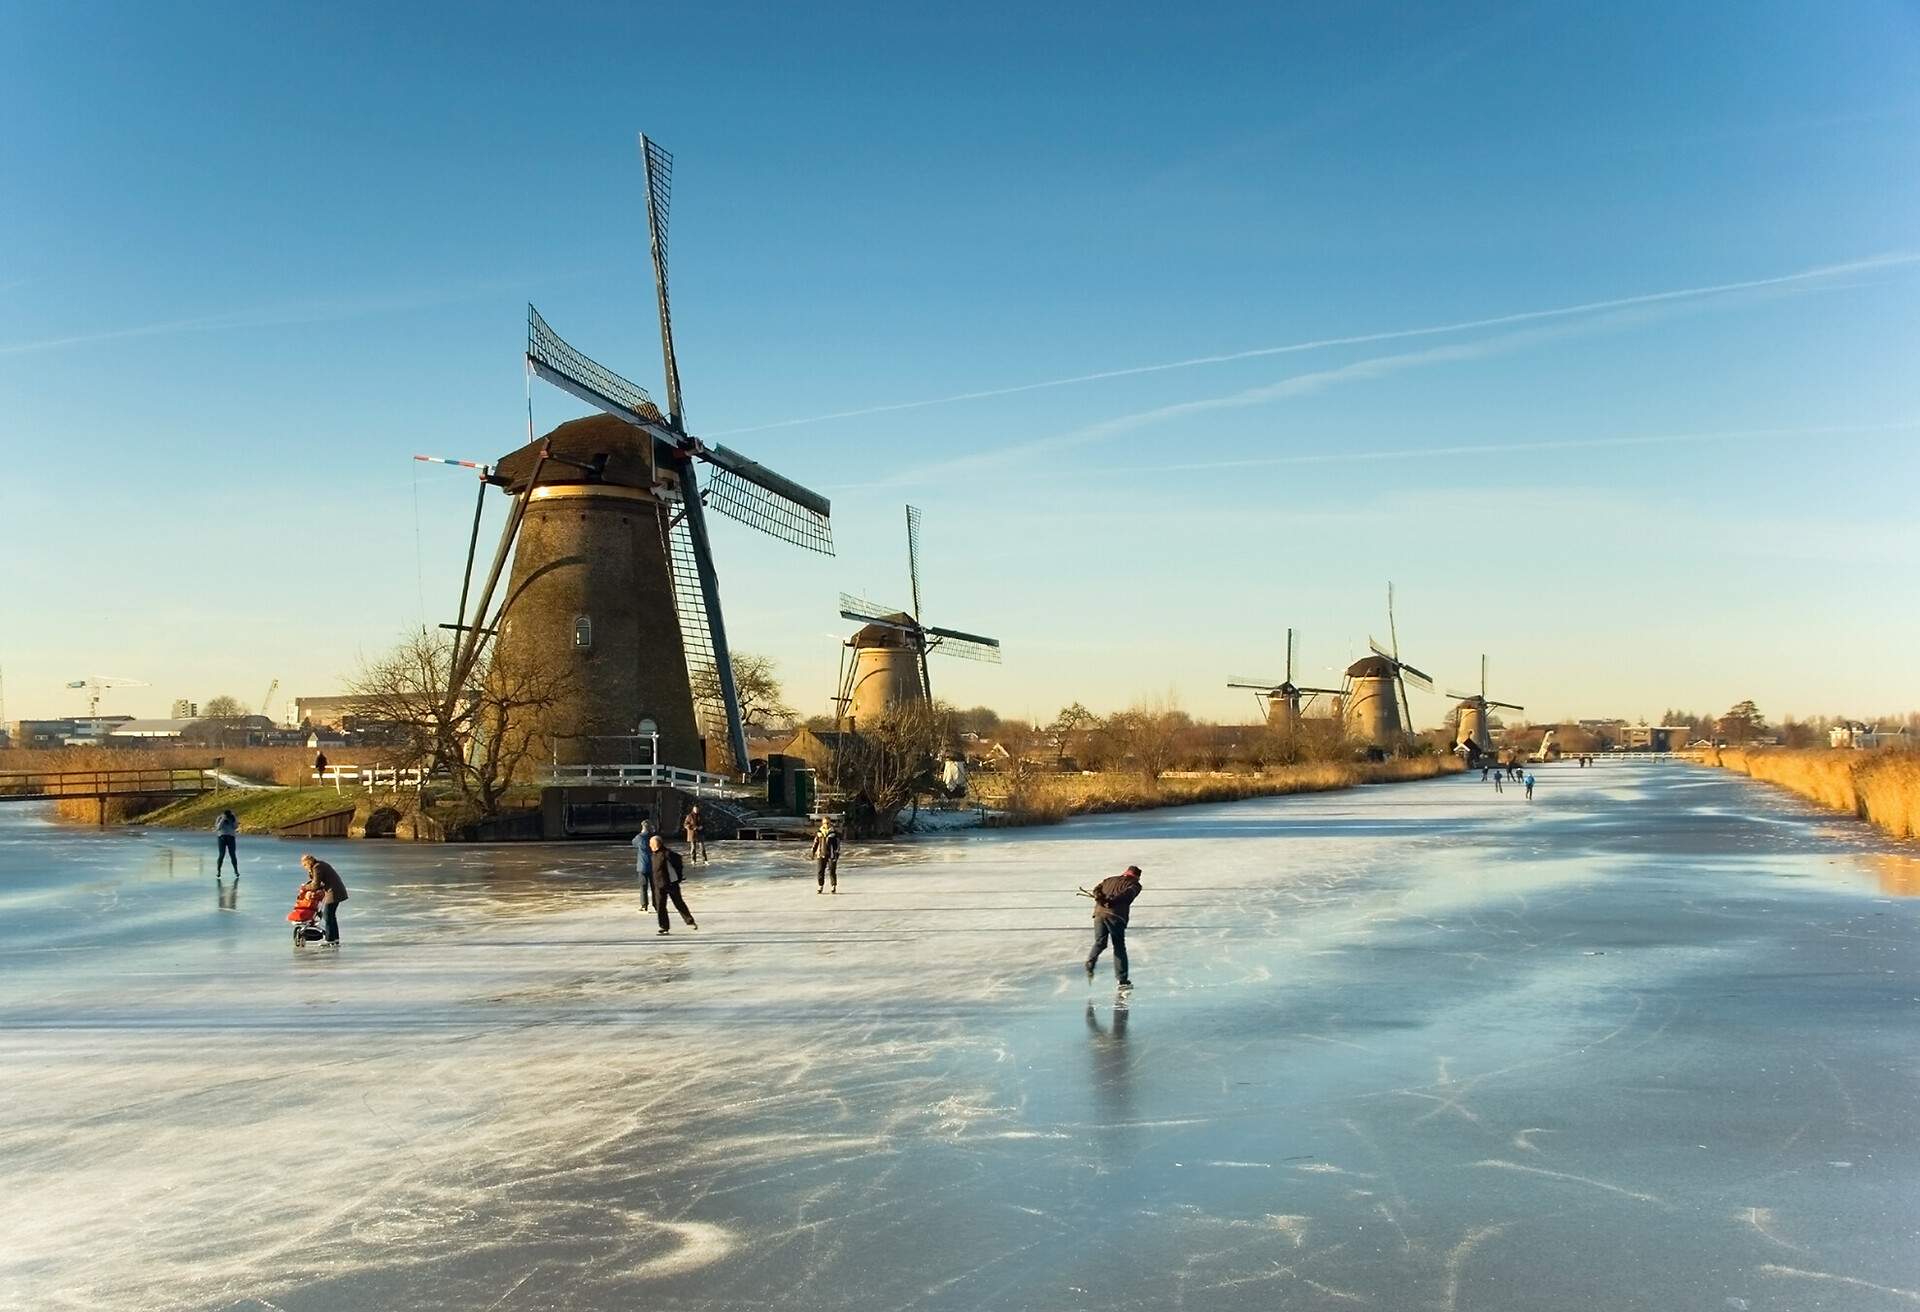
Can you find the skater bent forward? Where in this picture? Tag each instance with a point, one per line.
(1112, 903)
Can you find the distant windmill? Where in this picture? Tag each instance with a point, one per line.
(1472, 730)
(1376, 703)
(889, 665)
(1285, 698)
(613, 578)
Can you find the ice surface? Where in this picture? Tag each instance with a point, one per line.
(1648, 1042)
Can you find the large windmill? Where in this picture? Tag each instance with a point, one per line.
(889, 664)
(613, 578)
(1285, 698)
(1376, 703)
(1471, 732)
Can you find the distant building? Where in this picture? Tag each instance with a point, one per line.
(1858, 734)
(325, 713)
(1652, 737)
(75, 731)
(153, 731)
(184, 709)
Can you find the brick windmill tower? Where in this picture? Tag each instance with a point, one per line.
(612, 574)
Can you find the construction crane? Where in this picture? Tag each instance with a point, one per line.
(96, 684)
(266, 703)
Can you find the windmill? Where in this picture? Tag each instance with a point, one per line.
(1471, 733)
(612, 570)
(889, 664)
(1376, 701)
(1285, 698)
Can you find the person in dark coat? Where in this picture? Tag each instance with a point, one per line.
(1112, 905)
(226, 830)
(826, 855)
(332, 889)
(668, 869)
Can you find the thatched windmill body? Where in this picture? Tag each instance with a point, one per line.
(612, 570)
(885, 664)
(1284, 699)
(1377, 708)
(1470, 733)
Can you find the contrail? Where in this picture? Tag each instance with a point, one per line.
(1896, 260)
(293, 313)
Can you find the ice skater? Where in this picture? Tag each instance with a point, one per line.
(826, 855)
(1529, 786)
(643, 863)
(227, 830)
(1499, 781)
(325, 881)
(1112, 904)
(668, 870)
(695, 826)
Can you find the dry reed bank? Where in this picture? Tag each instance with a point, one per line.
(1880, 787)
(1047, 798)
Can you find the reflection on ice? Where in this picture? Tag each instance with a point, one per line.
(1408, 1046)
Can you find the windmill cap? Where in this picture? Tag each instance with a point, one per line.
(1371, 667)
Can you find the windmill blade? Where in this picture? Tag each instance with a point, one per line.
(965, 646)
(859, 608)
(747, 491)
(659, 202)
(552, 358)
(1418, 678)
(1289, 655)
(1509, 706)
(1260, 685)
(1463, 696)
(879, 622)
(913, 555)
(1329, 692)
(1393, 631)
(1378, 650)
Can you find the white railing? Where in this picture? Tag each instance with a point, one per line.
(698, 782)
(371, 776)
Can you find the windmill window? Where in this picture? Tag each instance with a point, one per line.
(582, 631)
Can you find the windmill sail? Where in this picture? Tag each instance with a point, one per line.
(967, 646)
(552, 358)
(659, 203)
(749, 492)
(689, 606)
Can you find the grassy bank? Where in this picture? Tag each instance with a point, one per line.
(267, 765)
(1048, 798)
(1880, 787)
(260, 810)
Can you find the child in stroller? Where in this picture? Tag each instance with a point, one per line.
(305, 915)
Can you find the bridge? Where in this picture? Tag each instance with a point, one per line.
(100, 785)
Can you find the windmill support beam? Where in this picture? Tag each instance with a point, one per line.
(716, 625)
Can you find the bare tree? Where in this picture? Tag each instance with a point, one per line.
(892, 760)
(490, 736)
(219, 716)
(762, 699)
(1147, 736)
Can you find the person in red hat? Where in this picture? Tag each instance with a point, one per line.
(1112, 903)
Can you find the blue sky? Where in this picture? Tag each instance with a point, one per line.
(1607, 322)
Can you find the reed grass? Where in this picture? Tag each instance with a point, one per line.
(1048, 799)
(1881, 787)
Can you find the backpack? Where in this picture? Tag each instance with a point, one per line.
(675, 866)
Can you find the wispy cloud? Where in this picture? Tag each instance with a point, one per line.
(319, 310)
(1816, 274)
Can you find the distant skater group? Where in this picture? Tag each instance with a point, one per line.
(1500, 774)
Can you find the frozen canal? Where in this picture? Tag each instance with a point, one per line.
(1649, 1042)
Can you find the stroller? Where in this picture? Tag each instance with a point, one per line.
(306, 917)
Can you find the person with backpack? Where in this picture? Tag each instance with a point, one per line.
(1112, 906)
(668, 870)
(227, 831)
(826, 855)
